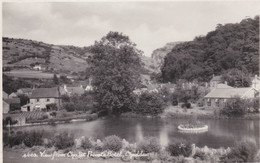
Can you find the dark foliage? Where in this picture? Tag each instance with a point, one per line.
(236, 78)
(33, 138)
(86, 144)
(12, 85)
(24, 99)
(113, 143)
(179, 148)
(236, 107)
(244, 151)
(150, 104)
(230, 46)
(148, 145)
(64, 140)
(200, 154)
(115, 66)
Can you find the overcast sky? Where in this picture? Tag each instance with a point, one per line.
(149, 24)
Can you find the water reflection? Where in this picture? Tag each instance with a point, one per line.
(139, 133)
(221, 132)
(163, 136)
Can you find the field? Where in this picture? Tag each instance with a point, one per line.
(30, 74)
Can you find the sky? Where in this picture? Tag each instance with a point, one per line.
(150, 24)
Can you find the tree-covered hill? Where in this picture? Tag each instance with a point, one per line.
(229, 46)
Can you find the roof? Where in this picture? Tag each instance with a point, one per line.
(152, 87)
(45, 93)
(216, 78)
(26, 90)
(227, 92)
(223, 86)
(76, 90)
(4, 94)
(13, 100)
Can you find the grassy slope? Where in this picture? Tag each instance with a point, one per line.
(21, 53)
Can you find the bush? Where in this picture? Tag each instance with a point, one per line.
(179, 148)
(86, 144)
(33, 138)
(14, 139)
(234, 108)
(53, 114)
(244, 151)
(113, 143)
(188, 105)
(200, 154)
(48, 142)
(150, 104)
(52, 106)
(69, 107)
(149, 145)
(64, 140)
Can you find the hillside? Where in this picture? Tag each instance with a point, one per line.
(229, 46)
(159, 54)
(21, 53)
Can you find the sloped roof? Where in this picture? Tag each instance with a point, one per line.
(227, 92)
(45, 93)
(76, 90)
(13, 100)
(223, 86)
(26, 90)
(5, 95)
(216, 78)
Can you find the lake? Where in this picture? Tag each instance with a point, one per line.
(221, 133)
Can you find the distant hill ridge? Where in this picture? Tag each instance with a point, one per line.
(23, 53)
(229, 46)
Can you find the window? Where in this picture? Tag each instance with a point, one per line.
(37, 100)
(47, 99)
(208, 102)
(217, 102)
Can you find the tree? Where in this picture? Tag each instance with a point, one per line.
(115, 66)
(236, 78)
(229, 46)
(24, 99)
(55, 79)
(236, 107)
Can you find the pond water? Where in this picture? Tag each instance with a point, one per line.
(221, 133)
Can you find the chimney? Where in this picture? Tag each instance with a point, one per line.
(65, 88)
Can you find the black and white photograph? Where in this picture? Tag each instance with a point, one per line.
(130, 81)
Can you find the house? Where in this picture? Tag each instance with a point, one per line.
(41, 98)
(218, 96)
(37, 67)
(214, 81)
(12, 95)
(5, 95)
(6, 107)
(70, 91)
(11, 104)
(25, 91)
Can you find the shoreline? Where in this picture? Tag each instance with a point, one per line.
(191, 116)
(134, 115)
